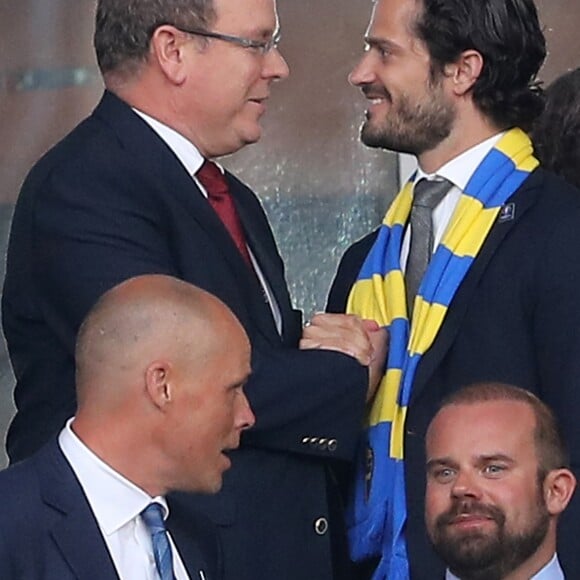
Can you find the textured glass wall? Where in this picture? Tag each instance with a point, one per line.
(321, 188)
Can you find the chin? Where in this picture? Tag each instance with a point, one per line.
(249, 129)
(252, 136)
(208, 487)
(216, 485)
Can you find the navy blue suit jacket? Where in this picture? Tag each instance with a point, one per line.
(112, 201)
(48, 530)
(514, 319)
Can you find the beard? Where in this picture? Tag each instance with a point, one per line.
(411, 126)
(478, 556)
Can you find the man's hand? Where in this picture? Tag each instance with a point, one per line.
(346, 333)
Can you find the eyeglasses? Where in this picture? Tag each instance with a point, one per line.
(261, 46)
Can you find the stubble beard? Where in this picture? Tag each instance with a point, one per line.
(411, 127)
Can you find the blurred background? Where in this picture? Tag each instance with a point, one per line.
(320, 187)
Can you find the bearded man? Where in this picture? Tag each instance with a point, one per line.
(497, 481)
(476, 267)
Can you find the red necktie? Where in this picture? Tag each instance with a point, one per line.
(220, 198)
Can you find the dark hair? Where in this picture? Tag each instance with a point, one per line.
(123, 28)
(550, 444)
(556, 133)
(508, 35)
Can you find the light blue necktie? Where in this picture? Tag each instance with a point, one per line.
(153, 517)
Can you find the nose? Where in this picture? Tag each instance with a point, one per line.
(244, 418)
(275, 66)
(465, 485)
(362, 73)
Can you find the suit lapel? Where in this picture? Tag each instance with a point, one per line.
(192, 558)
(517, 205)
(167, 172)
(75, 530)
(263, 246)
(170, 176)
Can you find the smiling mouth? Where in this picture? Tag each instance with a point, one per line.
(376, 94)
(469, 520)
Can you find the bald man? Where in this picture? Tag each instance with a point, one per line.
(161, 366)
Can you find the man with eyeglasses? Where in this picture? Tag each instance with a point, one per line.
(133, 190)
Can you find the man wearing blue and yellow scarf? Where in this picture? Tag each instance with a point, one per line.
(495, 293)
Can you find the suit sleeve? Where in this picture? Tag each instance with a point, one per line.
(90, 239)
(557, 339)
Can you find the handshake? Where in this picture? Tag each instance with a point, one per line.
(362, 339)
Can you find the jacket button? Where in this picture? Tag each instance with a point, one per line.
(321, 526)
(322, 444)
(332, 444)
(305, 440)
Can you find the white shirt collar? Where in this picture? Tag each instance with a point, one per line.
(551, 571)
(184, 149)
(113, 498)
(460, 169)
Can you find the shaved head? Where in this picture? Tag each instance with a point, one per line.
(142, 319)
(161, 367)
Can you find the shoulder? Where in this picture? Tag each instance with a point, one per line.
(20, 488)
(113, 136)
(551, 191)
(550, 208)
(358, 251)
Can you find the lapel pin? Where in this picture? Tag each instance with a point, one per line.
(507, 213)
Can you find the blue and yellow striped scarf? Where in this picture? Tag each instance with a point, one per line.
(378, 511)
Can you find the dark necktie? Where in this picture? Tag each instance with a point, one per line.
(220, 198)
(426, 196)
(153, 518)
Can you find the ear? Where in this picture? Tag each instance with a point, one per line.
(167, 49)
(464, 72)
(558, 488)
(157, 383)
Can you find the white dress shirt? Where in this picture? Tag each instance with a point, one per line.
(458, 171)
(117, 504)
(551, 571)
(192, 160)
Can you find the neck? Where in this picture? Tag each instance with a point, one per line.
(118, 448)
(470, 128)
(539, 559)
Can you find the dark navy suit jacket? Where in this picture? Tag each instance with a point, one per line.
(112, 201)
(515, 319)
(48, 530)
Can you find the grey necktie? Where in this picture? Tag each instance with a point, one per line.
(426, 196)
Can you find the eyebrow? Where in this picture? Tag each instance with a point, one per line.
(495, 457)
(448, 462)
(265, 32)
(382, 42)
(440, 461)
